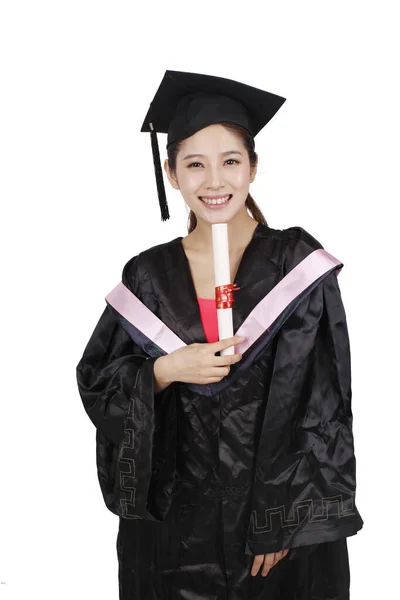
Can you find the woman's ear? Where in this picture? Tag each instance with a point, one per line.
(171, 176)
(253, 170)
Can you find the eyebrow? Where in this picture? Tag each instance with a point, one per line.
(203, 156)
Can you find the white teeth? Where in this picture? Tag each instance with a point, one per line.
(217, 201)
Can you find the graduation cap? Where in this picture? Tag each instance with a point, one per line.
(186, 102)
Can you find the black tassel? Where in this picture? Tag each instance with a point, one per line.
(159, 176)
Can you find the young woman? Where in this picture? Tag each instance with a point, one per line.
(233, 476)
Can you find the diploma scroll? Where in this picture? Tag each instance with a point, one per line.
(223, 286)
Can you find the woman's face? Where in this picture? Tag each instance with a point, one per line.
(213, 164)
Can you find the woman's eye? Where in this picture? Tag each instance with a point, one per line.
(228, 160)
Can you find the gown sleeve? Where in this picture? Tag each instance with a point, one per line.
(305, 471)
(106, 375)
(135, 427)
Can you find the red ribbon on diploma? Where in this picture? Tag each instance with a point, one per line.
(224, 295)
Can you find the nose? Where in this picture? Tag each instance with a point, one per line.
(214, 177)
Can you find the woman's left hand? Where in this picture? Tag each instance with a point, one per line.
(268, 561)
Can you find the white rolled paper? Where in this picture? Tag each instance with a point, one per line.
(222, 273)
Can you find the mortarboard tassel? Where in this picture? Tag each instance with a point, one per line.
(159, 176)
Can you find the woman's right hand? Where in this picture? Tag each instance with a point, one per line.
(197, 363)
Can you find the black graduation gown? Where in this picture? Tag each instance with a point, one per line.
(204, 477)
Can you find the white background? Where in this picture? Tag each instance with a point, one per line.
(78, 199)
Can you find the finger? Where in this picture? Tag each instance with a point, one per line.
(226, 343)
(218, 371)
(269, 562)
(257, 562)
(229, 359)
(278, 557)
(208, 380)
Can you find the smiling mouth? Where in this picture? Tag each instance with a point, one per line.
(216, 201)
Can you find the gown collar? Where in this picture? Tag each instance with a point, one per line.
(183, 311)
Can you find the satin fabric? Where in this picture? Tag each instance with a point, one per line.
(203, 483)
(209, 319)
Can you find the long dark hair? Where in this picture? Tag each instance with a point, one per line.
(248, 142)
